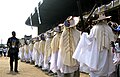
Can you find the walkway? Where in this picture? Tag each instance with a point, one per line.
(25, 70)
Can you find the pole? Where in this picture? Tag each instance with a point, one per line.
(31, 21)
(80, 13)
(93, 9)
(1, 41)
(83, 23)
(38, 11)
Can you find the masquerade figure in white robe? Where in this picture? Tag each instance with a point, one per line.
(48, 51)
(41, 50)
(116, 49)
(36, 52)
(94, 50)
(21, 53)
(68, 42)
(55, 49)
(26, 52)
(30, 51)
(33, 53)
(116, 58)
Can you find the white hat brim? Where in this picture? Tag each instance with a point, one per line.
(74, 22)
(103, 18)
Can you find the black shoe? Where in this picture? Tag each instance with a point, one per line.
(36, 65)
(32, 63)
(27, 61)
(40, 66)
(16, 71)
(55, 75)
(50, 73)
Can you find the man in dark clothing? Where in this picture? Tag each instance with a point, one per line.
(13, 44)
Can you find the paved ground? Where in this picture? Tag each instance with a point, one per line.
(25, 70)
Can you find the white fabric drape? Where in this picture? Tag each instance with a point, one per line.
(94, 51)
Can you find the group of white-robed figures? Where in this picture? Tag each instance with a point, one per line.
(70, 50)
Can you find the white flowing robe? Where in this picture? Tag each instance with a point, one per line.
(55, 48)
(47, 53)
(26, 52)
(20, 52)
(41, 51)
(116, 57)
(94, 52)
(36, 53)
(68, 42)
(30, 51)
(33, 53)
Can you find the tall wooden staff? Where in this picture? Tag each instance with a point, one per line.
(80, 13)
(83, 23)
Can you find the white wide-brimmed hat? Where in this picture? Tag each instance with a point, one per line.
(49, 33)
(103, 17)
(119, 36)
(58, 28)
(42, 36)
(60, 24)
(71, 21)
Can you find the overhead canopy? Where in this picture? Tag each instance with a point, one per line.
(53, 12)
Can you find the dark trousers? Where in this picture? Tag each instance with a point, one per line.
(4, 54)
(0, 53)
(13, 58)
(118, 70)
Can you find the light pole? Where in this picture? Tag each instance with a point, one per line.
(1, 41)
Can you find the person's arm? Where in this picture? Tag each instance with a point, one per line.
(19, 44)
(8, 43)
